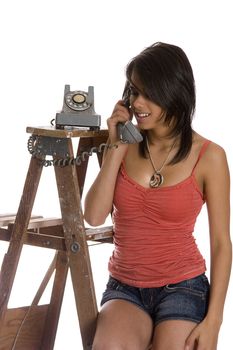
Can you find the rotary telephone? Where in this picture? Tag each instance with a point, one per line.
(78, 111)
(127, 132)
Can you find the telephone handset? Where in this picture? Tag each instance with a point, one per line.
(127, 132)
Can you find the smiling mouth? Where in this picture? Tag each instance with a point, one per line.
(141, 115)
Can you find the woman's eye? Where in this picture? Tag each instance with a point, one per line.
(133, 91)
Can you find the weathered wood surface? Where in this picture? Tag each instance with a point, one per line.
(65, 133)
(77, 249)
(34, 327)
(52, 236)
(11, 258)
(23, 328)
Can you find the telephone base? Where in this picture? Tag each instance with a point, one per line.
(71, 119)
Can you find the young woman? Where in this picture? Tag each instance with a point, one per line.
(158, 295)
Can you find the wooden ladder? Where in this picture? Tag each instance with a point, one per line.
(34, 327)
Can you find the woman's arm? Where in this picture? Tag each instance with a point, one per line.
(217, 194)
(218, 205)
(98, 201)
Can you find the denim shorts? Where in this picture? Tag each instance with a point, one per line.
(186, 300)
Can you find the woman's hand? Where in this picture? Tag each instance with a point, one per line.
(203, 337)
(120, 114)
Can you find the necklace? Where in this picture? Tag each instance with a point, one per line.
(157, 178)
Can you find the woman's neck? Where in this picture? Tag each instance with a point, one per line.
(161, 137)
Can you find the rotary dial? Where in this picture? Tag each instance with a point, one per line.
(77, 100)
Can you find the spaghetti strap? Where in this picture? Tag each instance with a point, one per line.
(202, 151)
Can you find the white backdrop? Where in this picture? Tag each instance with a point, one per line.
(46, 44)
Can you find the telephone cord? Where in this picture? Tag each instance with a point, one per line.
(62, 162)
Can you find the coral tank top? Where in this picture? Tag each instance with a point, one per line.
(153, 232)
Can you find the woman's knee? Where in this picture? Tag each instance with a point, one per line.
(122, 326)
(107, 346)
(108, 341)
(114, 345)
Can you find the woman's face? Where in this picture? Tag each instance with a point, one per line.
(147, 113)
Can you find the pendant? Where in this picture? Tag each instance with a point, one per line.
(156, 180)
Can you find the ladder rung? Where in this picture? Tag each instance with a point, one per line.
(44, 222)
(95, 234)
(39, 222)
(7, 219)
(6, 215)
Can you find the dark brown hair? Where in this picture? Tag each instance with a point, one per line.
(167, 79)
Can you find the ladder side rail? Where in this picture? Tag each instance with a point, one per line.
(11, 258)
(77, 249)
(54, 309)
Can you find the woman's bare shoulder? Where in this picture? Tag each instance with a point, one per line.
(215, 155)
(213, 150)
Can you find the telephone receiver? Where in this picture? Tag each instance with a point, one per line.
(127, 132)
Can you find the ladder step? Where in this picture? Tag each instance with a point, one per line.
(53, 226)
(98, 234)
(6, 219)
(44, 222)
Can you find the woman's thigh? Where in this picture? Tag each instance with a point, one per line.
(172, 334)
(122, 325)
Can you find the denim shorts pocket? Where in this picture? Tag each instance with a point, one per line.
(196, 286)
(114, 284)
(205, 281)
